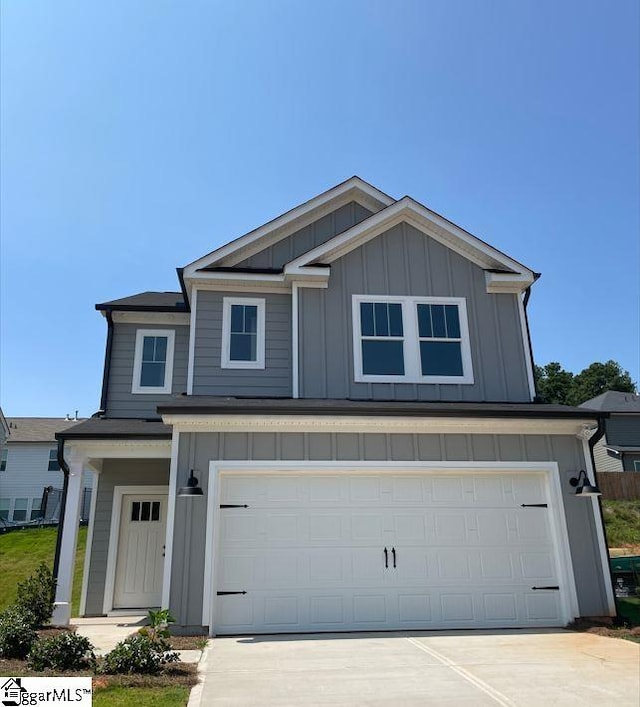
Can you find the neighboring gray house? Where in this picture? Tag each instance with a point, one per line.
(619, 449)
(351, 387)
(28, 465)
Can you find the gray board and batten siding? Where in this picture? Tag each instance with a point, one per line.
(405, 261)
(209, 376)
(115, 472)
(121, 402)
(309, 237)
(196, 450)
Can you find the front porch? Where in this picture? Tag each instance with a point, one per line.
(124, 560)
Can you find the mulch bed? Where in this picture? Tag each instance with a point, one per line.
(629, 633)
(188, 643)
(173, 674)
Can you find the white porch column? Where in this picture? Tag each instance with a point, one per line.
(62, 607)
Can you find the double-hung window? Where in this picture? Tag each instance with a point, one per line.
(153, 361)
(3, 458)
(53, 460)
(243, 333)
(411, 339)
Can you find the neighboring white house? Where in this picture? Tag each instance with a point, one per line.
(28, 464)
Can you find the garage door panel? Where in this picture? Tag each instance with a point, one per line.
(309, 552)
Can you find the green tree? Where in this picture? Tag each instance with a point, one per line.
(598, 378)
(553, 383)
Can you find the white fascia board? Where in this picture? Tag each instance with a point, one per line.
(363, 423)
(120, 448)
(435, 226)
(355, 184)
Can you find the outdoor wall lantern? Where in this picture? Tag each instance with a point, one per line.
(584, 486)
(191, 489)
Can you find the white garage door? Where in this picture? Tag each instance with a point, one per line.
(367, 551)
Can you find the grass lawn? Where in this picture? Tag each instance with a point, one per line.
(622, 519)
(21, 551)
(117, 696)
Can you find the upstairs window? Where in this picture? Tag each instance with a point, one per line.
(411, 340)
(243, 333)
(153, 361)
(53, 460)
(3, 459)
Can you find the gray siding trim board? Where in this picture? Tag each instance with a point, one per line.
(196, 450)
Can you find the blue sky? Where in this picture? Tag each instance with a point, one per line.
(136, 136)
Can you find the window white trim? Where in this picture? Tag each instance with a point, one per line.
(192, 340)
(226, 361)
(170, 334)
(412, 365)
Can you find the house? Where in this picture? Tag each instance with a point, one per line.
(29, 464)
(619, 448)
(331, 427)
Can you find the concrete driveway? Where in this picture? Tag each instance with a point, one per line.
(457, 668)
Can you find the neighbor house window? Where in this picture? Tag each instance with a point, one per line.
(243, 333)
(3, 459)
(153, 361)
(36, 504)
(20, 508)
(411, 339)
(636, 464)
(4, 508)
(53, 460)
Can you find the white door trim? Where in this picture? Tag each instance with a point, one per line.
(114, 534)
(564, 564)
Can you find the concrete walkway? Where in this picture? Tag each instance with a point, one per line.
(105, 631)
(480, 668)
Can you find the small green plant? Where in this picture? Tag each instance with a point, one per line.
(158, 628)
(66, 651)
(36, 595)
(16, 633)
(138, 654)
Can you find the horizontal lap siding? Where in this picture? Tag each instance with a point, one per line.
(309, 237)
(115, 472)
(211, 379)
(121, 402)
(404, 261)
(197, 450)
(604, 460)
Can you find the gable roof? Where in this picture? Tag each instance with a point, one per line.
(37, 429)
(614, 401)
(503, 273)
(353, 189)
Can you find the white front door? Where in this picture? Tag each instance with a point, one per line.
(336, 552)
(140, 561)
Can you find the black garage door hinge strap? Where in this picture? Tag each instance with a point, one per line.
(533, 505)
(554, 588)
(233, 505)
(226, 594)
